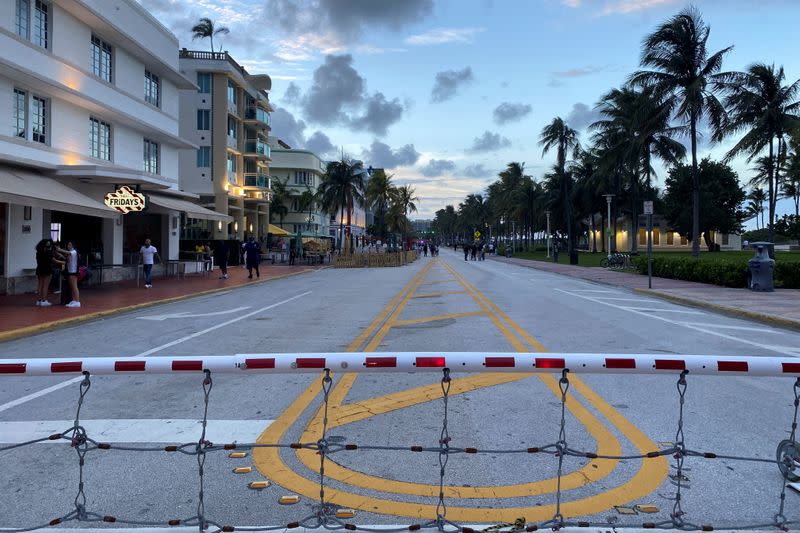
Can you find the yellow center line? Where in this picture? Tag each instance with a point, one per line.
(434, 318)
(436, 294)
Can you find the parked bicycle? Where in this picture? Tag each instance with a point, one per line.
(618, 261)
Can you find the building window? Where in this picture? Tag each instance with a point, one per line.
(151, 157)
(232, 97)
(303, 177)
(656, 237)
(39, 120)
(204, 156)
(204, 82)
(684, 240)
(99, 139)
(670, 238)
(642, 236)
(203, 119)
(152, 89)
(726, 239)
(22, 19)
(232, 169)
(232, 127)
(100, 52)
(20, 113)
(40, 24)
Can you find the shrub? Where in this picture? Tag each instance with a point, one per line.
(787, 274)
(716, 272)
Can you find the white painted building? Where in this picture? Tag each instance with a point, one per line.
(299, 170)
(90, 92)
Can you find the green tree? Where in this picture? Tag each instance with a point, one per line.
(564, 139)
(404, 201)
(757, 197)
(721, 197)
(682, 69)
(206, 29)
(378, 194)
(342, 188)
(765, 110)
(279, 197)
(307, 202)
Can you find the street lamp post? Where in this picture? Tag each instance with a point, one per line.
(547, 213)
(608, 223)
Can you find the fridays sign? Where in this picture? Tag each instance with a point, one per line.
(125, 200)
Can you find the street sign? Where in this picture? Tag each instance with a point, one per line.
(648, 207)
(477, 235)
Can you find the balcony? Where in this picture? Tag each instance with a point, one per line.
(257, 114)
(257, 147)
(261, 181)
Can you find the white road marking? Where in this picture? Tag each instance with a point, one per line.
(624, 299)
(743, 328)
(662, 310)
(137, 430)
(593, 290)
(783, 350)
(191, 315)
(67, 383)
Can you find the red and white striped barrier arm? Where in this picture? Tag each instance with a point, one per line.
(579, 363)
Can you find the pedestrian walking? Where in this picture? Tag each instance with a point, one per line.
(45, 261)
(148, 254)
(252, 256)
(425, 249)
(221, 258)
(292, 255)
(72, 275)
(482, 252)
(473, 251)
(207, 255)
(466, 252)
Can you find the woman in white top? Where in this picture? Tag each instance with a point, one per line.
(72, 275)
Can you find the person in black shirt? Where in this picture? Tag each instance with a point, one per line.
(45, 260)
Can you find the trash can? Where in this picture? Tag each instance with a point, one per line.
(761, 268)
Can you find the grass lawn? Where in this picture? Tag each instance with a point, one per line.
(593, 260)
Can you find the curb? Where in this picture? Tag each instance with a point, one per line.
(770, 320)
(64, 322)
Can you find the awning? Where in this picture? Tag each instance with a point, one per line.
(275, 230)
(192, 210)
(27, 188)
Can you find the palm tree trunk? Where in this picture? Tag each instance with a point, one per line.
(634, 244)
(341, 229)
(212, 42)
(771, 192)
(695, 190)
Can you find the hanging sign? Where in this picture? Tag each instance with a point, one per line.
(125, 200)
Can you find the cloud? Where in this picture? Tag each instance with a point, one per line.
(287, 128)
(347, 20)
(509, 112)
(489, 142)
(624, 7)
(581, 116)
(381, 155)
(444, 35)
(578, 71)
(379, 114)
(292, 94)
(338, 96)
(437, 167)
(571, 3)
(320, 144)
(475, 171)
(448, 82)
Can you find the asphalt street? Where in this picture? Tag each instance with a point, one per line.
(442, 304)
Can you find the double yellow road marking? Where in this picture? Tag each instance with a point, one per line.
(270, 463)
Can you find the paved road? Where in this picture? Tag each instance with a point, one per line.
(442, 304)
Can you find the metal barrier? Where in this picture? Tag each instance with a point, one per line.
(325, 514)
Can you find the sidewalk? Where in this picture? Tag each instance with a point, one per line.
(779, 308)
(20, 317)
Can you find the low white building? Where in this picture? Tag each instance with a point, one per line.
(299, 171)
(90, 92)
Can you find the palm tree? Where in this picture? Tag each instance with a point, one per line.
(405, 202)
(766, 110)
(379, 194)
(757, 198)
(307, 201)
(791, 184)
(559, 135)
(682, 70)
(205, 28)
(342, 187)
(280, 195)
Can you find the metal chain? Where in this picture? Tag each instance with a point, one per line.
(444, 450)
(680, 453)
(780, 518)
(81, 445)
(561, 446)
(324, 512)
(202, 444)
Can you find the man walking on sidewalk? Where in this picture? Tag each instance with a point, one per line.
(252, 256)
(148, 253)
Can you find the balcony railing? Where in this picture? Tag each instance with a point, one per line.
(257, 180)
(253, 146)
(256, 113)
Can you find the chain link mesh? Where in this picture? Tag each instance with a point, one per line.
(324, 511)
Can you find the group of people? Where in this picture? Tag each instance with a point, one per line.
(52, 261)
(424, 247)
(475, 251)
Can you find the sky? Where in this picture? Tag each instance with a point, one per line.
(444, 93)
